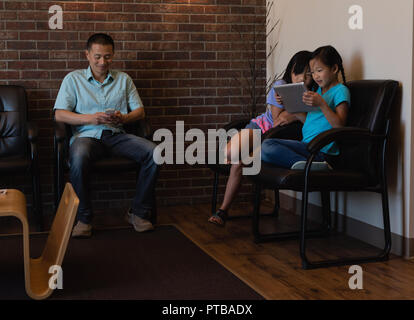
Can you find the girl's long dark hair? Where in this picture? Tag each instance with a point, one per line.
(298, 64)
(330, 57)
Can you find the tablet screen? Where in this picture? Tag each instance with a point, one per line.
(292, 96)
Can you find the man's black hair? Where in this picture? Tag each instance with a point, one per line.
(100, 38)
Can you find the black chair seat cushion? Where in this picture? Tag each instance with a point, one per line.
(273, 177)
(221, 168)
(113, 164)
(292, 131)
(14, 164)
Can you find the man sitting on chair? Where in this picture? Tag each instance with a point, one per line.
(95, 102)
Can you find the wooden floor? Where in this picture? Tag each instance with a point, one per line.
(274, 269)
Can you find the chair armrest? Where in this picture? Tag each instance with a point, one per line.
(292, 131)
(60, 131)
(236, 124)
(143, 129)
(61, 143)
(345, 133)
(32, 131)
(32, 134)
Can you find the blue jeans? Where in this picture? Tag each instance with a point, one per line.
(284, 153)
(84, 151)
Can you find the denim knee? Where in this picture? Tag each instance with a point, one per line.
(149, 148)
(266, 150)
(79, 155)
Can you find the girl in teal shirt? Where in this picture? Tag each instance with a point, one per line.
(331, 102)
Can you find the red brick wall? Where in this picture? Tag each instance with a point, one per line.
(182, 54)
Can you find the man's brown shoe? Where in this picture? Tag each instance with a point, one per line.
(139, 223)
(82, 230)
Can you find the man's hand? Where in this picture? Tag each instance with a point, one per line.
(313, 99)
(117, 118)
(100, 118)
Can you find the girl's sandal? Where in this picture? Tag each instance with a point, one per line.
(219, 218)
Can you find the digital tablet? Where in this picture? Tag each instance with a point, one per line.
(292, 95)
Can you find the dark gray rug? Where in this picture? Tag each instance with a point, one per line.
(123, 264)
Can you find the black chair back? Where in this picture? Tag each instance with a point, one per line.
(13, 119)
(371, 102)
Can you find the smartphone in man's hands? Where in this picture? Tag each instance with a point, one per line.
(115, 116)
(110, 111)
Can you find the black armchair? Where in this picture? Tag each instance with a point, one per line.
(63, 133)
(18, 142)
(359, 167)
(294, 129)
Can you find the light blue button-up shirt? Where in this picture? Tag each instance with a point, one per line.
(81, 93)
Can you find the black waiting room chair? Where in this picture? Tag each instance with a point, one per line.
(360, 166)
(224, 169)
(294, 129)
(18, 143)
(112, 164)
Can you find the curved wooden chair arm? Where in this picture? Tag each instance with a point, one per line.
(36, 271)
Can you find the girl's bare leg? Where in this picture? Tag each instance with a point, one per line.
(233, 186)
(235, 178)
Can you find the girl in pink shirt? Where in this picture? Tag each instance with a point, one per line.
(296, 71)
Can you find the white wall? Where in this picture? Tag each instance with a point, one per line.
(382, 50)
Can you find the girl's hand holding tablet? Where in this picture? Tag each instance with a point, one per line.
(313, 99)
(278, 99)
(284, 119)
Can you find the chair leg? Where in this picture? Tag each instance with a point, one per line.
(274, 213)
(260, 237)
(37, 201)
(215, 190)
(276, 208)
(386, 219)
(56, 186)
(304, 219)
(154, 209)
(382, 256)
(326, 210)
(256, 213)
(60, 186)
(59, 175)
(384, 197)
